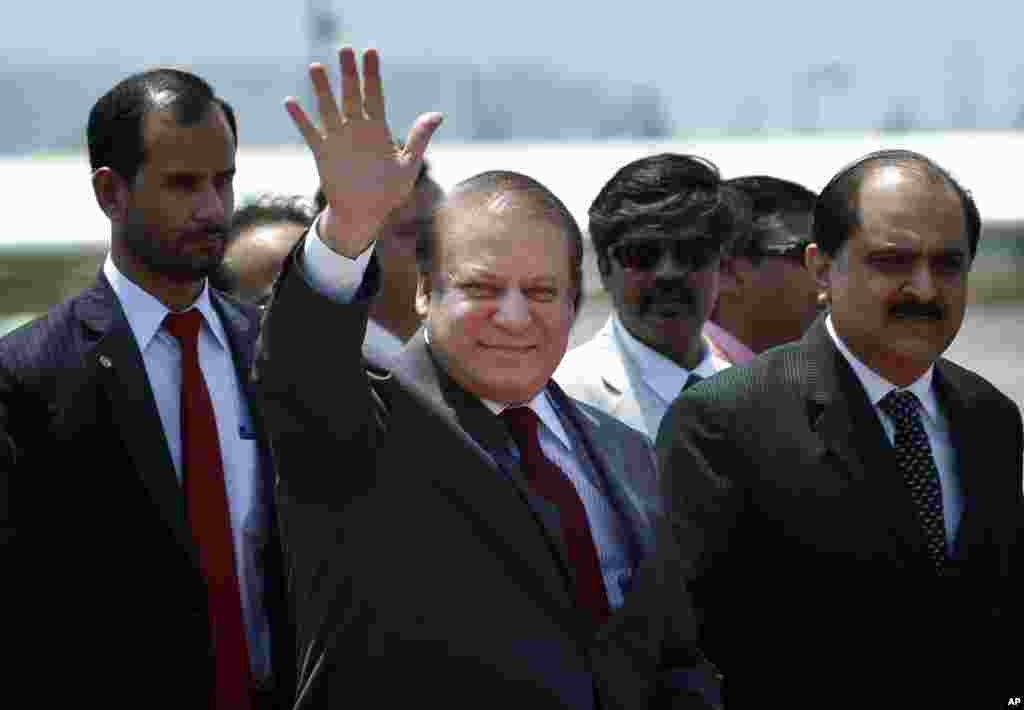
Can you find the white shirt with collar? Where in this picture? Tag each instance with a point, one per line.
(338, 277)
(936, 426)
(247, 499)
(661, 379)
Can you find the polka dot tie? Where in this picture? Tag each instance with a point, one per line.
(914, 457)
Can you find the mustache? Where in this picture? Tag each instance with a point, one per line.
(671, 293)
(917, 309)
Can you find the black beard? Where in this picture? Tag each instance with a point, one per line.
(159, 258)
(669, 293)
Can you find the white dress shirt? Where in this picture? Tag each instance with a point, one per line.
(661, 379)
(936, 426)
(339, 277)
(247, 499)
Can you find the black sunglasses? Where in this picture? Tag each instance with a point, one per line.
(645, 254)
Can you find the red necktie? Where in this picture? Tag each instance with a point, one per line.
(207, 504)
(549, 482)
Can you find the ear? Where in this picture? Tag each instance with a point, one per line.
(422, 295)
(732, 274)
(820, 265)
(112, 192)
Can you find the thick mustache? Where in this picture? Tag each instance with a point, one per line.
(671, 293)
(912, 309)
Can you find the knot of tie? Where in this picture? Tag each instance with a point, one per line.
(522, 425)
(184, 325)
(901, 405)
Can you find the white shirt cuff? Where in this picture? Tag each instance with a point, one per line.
(329, 273)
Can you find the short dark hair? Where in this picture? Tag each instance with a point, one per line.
(533, 193)
(264, 209)
(837, 210)
(665, 192)
(320, 200)
(114, 129)
(270, 208)
(771, 199)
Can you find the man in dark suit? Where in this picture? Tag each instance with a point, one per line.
(458, 532)
(849, 506)
(138, 469)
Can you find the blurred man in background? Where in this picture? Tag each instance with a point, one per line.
(659, 227)
(262, 233)
(767, 296)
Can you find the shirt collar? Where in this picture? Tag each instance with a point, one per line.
(544, 408)
(735, 352)
(541, 404)
(662, 375)
(877, 387)
(145, 313)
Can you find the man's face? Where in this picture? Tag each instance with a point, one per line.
(181, 199)
(664, 304)
(256, 256)
(898, 287)
(782, 293)
(500, 305)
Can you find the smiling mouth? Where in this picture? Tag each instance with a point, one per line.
(509, 348)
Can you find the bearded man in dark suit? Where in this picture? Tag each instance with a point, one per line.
(140, 482)
(849, 506)
(458, 531)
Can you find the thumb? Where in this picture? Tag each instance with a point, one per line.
(419, 135)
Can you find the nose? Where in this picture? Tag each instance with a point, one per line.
(922, 284)
(669, 268)
(210, 205)
(513, 310)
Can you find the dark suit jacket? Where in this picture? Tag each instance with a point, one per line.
(803, 549)
(423, 571)
(99, 520)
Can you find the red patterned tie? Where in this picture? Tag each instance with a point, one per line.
(549, 482)
(207, 504)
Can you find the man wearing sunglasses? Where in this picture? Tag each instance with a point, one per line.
(767, 297)
(659, 227)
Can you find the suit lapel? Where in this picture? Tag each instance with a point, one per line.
(968, 439)
(849, 429)
(485, 433)
(609, 458)
(622, 401)
(114, 361)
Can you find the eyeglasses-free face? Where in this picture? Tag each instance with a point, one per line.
(645, 253)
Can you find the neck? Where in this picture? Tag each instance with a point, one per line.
(176, 295)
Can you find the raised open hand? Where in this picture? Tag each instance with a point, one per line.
(363, 173)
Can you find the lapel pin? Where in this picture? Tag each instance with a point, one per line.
(106, 361)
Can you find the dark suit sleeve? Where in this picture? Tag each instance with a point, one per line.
(698, 465)
(8, 460)
(322, 423)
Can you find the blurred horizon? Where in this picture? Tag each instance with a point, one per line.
(539, 71)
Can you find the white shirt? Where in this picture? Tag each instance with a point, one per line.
(936, 426)
(339, 277)
(247, 499)
(661, 379)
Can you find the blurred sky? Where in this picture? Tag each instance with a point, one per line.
(702, 56)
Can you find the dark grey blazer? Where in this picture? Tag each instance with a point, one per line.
(804, 555)
(423, 571)
(98, 522)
